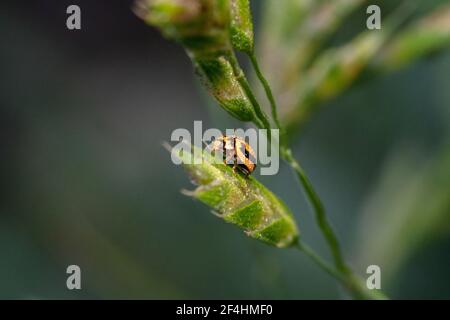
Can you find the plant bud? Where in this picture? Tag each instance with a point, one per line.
(218, 76)
(241, 26)
(201, 26)
(241, 201)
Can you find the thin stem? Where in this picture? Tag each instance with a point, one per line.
(340, 271)
(267, 89)
(351, 282)
(314, 199)
(248, 91)
(259, 113)
(306, 249)
(258, 123)
(319, 211)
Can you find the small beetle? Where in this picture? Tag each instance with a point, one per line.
(237, 152)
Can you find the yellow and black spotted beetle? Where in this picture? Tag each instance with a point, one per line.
(236, 152)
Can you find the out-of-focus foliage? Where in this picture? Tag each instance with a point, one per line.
(408, 208)
(308, 71)
(427, 35)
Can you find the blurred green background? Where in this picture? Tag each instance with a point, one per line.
(86, 181)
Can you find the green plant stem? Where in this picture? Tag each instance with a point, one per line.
(258, 123)
(352, 283)
(306, 249)
(267, 89)
(314, 199)
(341, 271)
(319, 211)
(262, 117)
